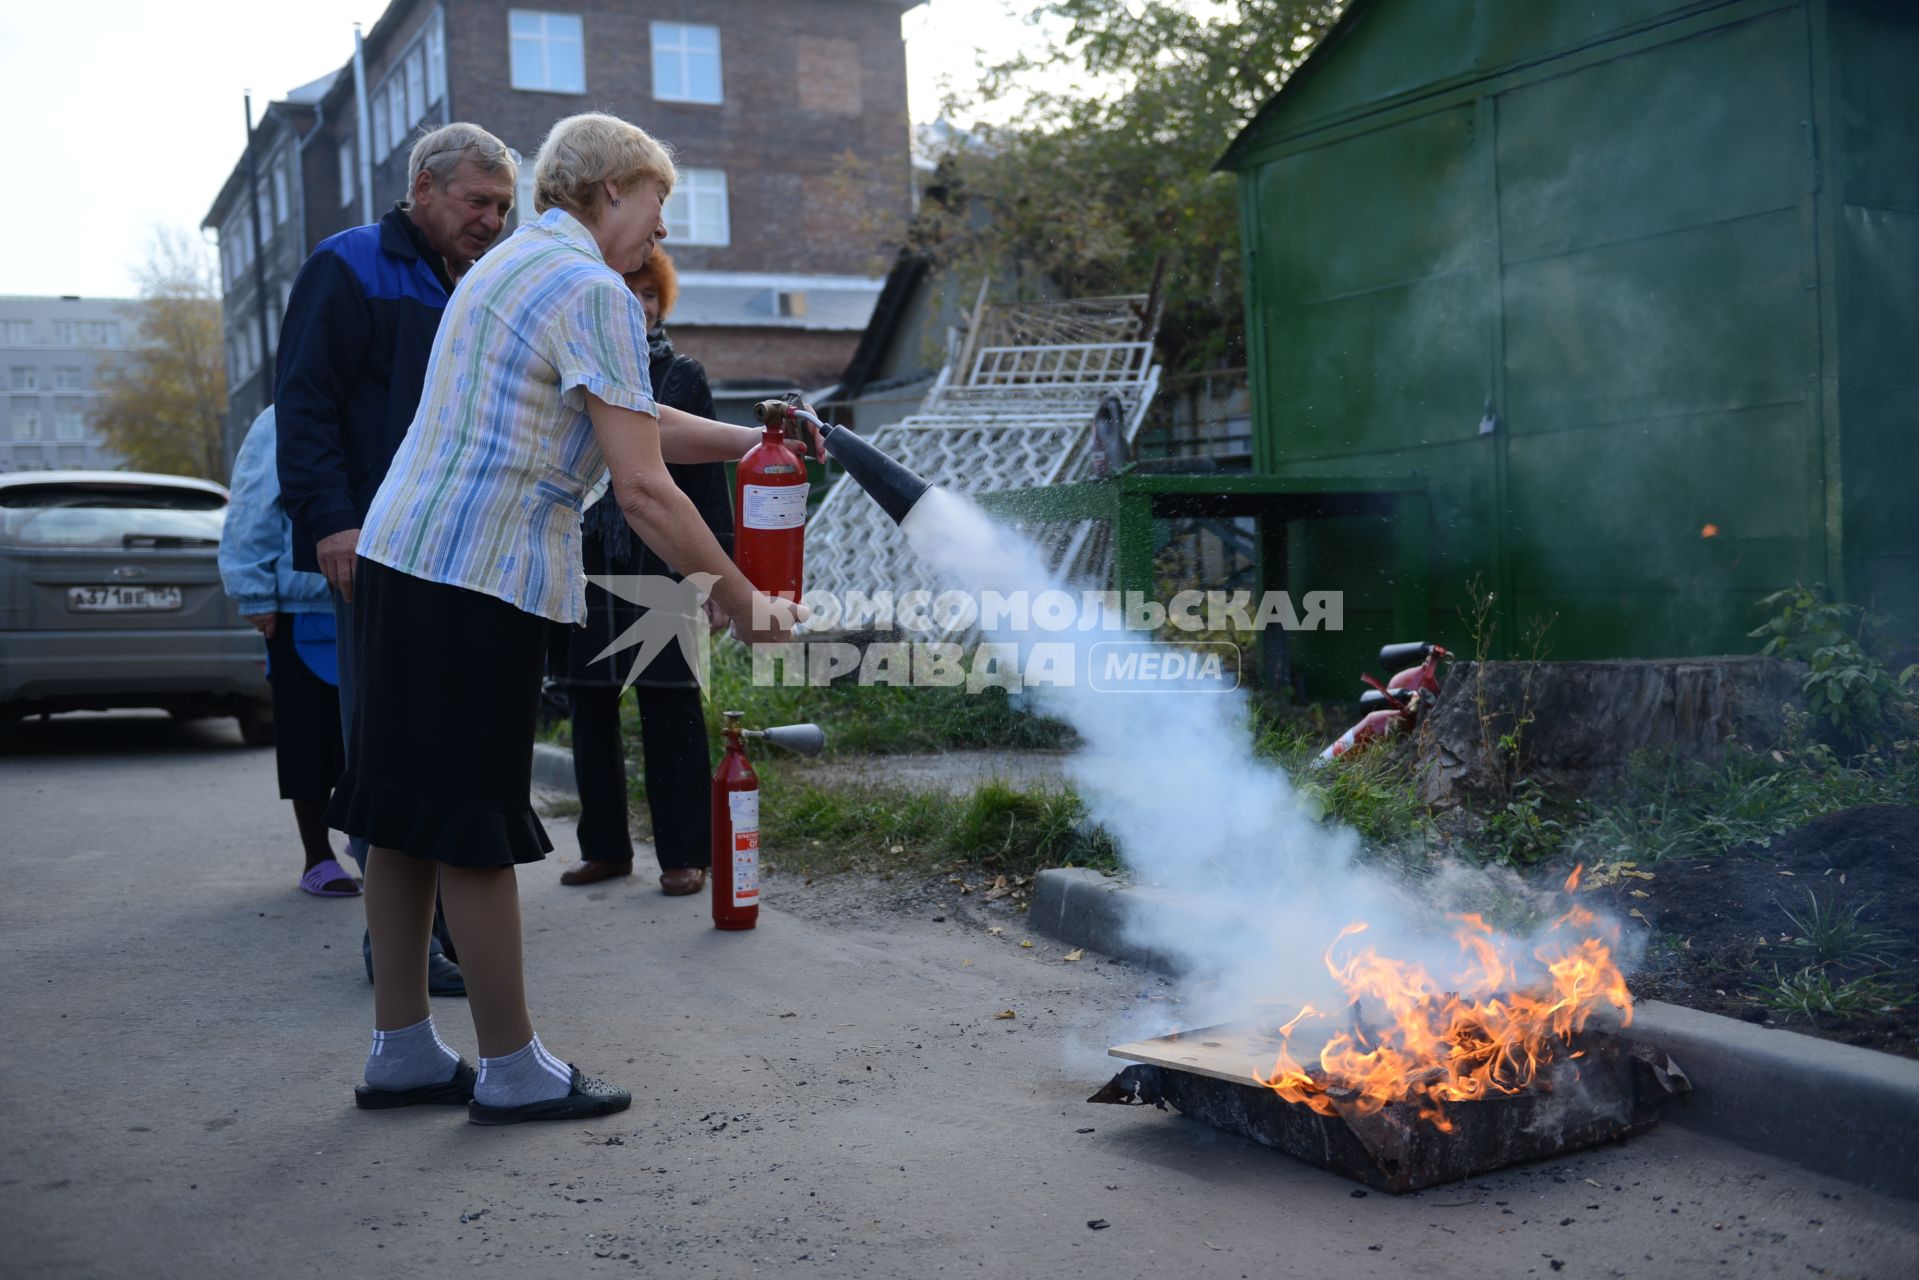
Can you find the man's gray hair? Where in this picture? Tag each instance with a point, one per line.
(440, 152)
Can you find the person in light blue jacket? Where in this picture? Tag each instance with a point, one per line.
(294, 611)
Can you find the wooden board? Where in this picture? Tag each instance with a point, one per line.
(1236, 1052)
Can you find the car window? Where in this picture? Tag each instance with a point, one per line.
(111, 516)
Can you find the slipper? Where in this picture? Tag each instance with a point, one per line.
(587, 1098)
(457, 1090)
(321, 874)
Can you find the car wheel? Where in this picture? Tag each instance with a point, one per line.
(256, 727)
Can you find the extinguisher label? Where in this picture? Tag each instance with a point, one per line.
(769, 506)
(744, 808)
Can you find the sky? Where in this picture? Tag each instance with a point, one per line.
(123, 115)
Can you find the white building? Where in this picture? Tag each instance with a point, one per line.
(51, 350)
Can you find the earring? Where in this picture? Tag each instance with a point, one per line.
(616, 202)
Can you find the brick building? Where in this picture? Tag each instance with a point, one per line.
(788, 119)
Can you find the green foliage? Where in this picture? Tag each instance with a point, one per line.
(1847, 688)
(870, 720)
(1679, 808)
(1521, 832)
(1094, 186)
(810, 827)
(1835, 935)
(1813, 993)
(1371, 792)
(1006, 826)
(162, 402)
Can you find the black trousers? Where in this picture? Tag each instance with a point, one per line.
(678, 780)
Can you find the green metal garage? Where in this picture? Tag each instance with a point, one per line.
(1628, 288)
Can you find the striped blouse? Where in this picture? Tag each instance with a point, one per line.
(486, 489)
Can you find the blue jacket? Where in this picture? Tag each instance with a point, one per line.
(354, 345)
(256, 546)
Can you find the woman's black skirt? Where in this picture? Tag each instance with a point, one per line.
(441, 762)
(306, 721)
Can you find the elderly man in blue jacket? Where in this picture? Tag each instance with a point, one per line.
(354, 344)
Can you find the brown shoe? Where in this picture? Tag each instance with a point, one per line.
(682, 880)
(591, 872)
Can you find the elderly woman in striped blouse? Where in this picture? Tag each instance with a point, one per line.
(537, 385)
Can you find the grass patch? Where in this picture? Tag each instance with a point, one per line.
(1371, 792)
(1009, 830)
(1677, 808)
(1813, 994)
(874, 719)
(1835, 936)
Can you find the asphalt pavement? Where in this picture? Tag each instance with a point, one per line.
(831, 1094)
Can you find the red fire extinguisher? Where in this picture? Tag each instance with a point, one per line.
(769, 508)
(736, 819)
(736, 835)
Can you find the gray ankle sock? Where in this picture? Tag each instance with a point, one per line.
(530, 1074)
(410, 1057)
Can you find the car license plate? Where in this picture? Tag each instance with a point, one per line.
(122, 599)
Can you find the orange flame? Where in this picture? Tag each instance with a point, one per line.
(1487, 1031)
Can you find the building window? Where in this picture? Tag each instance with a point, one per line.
(382, 141)
(696, 212)
(396, 110)
(16, 333)
(548, 51)
(263, 201)
(238, 236)
(73, 455)
(280, 191)
(86, 333)
(523, 195)
(435, 60)
(25, 378)
(69, 420)
(68, 378)
(416, 84)
(26, 418)
(686, 62)
(349, 174)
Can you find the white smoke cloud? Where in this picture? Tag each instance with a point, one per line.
(1250, 886)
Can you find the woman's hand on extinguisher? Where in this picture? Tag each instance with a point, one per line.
(717, 619)
(813, 444)
(770, 620)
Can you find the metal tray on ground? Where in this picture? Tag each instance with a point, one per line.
(1613, 1091)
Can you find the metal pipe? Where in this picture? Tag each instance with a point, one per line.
(267, 343)
(363, 130)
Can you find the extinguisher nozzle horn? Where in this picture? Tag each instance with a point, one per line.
(895, 487)
(804, 739)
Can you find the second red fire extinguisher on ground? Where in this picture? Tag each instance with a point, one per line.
(769, 509)
(736, 835)
(736, 819)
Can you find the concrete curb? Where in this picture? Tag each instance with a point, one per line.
(1834, 1108)
(553, 768)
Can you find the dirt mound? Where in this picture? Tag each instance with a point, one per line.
(1720, 928)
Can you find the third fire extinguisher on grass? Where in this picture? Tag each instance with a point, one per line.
(736, 819)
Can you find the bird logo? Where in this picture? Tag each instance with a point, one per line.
(674, 615)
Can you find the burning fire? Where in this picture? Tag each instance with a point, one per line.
(1483, 1033)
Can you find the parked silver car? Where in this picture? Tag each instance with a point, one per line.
(110, 597)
